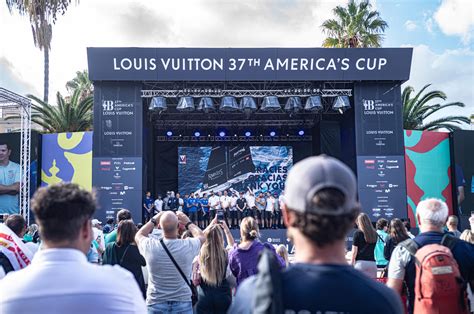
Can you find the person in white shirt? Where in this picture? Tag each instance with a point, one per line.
(269, 210)
(180, 202)
(225, 206)
(167, 292)
(158, 205)
(59, 279)
(250, 198)
(98, 237)
(214, 205)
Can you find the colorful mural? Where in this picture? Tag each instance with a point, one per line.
(67, 157)
(428, 169)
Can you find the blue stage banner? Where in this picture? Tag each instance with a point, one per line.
(243, 64)
(259, 168)
(380, 150)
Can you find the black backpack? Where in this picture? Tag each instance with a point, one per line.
(268, 285)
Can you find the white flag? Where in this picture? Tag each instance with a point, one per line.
(14, 248)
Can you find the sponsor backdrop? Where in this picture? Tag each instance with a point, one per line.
(67, 157)
(117, 148)
(380, 150)
(10, 174)
(260, 168)
(428, 169)
(464, 174)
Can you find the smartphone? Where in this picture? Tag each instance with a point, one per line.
(220, 215)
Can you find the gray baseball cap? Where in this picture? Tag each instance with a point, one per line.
(314, 174)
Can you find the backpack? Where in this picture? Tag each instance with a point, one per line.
(439, 287)
(268, 297)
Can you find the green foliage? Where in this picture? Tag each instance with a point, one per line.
(82, 83)
(354, 26)
(69, 115)
(416, 110)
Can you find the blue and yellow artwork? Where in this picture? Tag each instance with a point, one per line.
(67, 157)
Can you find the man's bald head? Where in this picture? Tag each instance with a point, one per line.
(169, 223)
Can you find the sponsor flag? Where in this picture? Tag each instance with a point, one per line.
(14, 248)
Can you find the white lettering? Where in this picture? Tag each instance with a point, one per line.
(116, 68)
(269, 65)
(126, 61)
(317, 64)
(165, 64)
(382, 62)
(357, 64)
(282, 64)
(345, 64)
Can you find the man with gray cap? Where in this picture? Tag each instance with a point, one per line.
(319, 209)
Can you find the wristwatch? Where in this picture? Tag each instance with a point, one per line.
(153, 221)
(187, 225)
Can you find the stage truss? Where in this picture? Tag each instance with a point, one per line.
(9, 99)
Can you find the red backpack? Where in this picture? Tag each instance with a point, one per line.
(439, 287)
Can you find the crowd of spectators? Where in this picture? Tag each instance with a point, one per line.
(178, 263)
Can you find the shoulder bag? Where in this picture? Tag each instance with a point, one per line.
(194, 293)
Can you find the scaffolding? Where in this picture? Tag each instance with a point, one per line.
(9, 99)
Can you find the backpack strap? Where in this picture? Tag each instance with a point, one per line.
(410, 245)
(268, 285)
(449, 241)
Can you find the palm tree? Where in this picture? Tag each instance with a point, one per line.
(42, 14)
(73, 115)
(81, 82)
(416, 110)
(354, 27)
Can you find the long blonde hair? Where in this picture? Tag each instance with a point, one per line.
(249, 229)
(213, 257)
(283, 252)
(364, 225)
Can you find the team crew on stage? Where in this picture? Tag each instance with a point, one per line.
(201, 209)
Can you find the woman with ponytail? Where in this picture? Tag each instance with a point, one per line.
(243, 258)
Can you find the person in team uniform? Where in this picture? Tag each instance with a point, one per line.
(242, 209)
(225, 206)
(185, 204)
(204, 217)
(179, 202)
(260, 203)
(214, 205)
(233, 211)
(251, 206)
(193, 208)
(158, 205)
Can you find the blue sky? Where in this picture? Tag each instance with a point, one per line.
(440, 31)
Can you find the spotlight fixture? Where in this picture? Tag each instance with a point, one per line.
(228, 103)
(185, 104)
(169, 133)
(272, 133)
(293, 104)
(158, 104)
(314, 104)
(248, 134)
(197, 134)
(301, 132)
(270, 103)
(247, 104)
(221, 133)
(206, 104)
(341, 104)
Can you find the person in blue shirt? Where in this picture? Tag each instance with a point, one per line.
(148, 205)
(203, 212)
(192, 208)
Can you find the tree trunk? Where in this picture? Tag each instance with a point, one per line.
(46, 74)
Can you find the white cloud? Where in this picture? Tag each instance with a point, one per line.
(429, 25)
(178, 23)
(451, 72)
(456, 17)
(410, 25)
